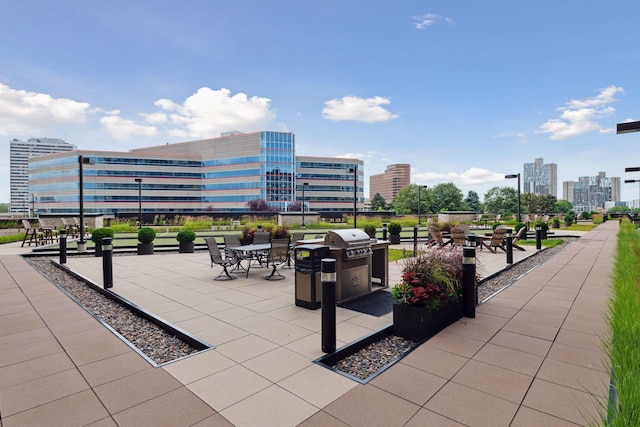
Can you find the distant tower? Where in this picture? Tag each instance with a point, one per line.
(540, 178)
(390, 182)
(19, 153)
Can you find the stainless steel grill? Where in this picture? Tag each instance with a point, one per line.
(353, 242)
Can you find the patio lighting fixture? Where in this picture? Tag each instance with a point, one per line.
(139, 181)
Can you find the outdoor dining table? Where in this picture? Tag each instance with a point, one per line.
(251, 251)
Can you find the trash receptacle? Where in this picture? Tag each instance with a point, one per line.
(308, 263)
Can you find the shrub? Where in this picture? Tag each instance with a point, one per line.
(370, 229)
(544, 225)
(518, 226)
(99, 233)
(279, 232)
(186, 236)
(146, 235)
(568, 220)
(394, 228)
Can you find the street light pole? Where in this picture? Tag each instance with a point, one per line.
(82, 161)
(139, 181)
(419, 187)
(516, 175)
(355, 195)
(304, 184)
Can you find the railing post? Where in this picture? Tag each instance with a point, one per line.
(469, 296)
(107, 263)
(328, 279)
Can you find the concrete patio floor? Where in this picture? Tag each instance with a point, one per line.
(531, 356)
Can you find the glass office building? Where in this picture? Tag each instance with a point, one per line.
(330, 183)
(24, 199)
(218, 174)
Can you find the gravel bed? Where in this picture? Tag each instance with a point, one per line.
(377, 355)
(156, 343)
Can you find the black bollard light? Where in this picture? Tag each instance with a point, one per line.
(63, 246)
(328, 278)
(469, 281)
(384, 231)
(415, 241)
(471, 240)
(107, 263)
(509, 240)
(538, 236)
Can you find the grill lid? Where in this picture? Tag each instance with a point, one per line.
(349, 238)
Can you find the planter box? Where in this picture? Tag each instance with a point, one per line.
(145, 248)
(394, 239)
(419, 324)
(186, 247)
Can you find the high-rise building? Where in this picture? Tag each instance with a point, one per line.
(540, 178)
(590, 193)
(331, 182)
(390, 182)
(24, 200)
(217, 174)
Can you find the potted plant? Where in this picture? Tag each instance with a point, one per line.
(146, 236)
(555, 223)
(394, 232)
(568, 220)
(96, 237)
(186, 239)
(370, 229)
(429, 298)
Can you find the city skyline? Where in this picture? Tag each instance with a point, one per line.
(463, 92)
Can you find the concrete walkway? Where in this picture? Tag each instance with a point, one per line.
(531, 356)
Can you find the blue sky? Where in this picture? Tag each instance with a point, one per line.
(464, 91)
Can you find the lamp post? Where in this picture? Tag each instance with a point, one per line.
(82, 161)
(629, 181)
(516, 175)
(139, 181)
(419, 187)
(304, 184)
(33, 205)
(354, 170)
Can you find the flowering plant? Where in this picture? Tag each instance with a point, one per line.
(432, 279)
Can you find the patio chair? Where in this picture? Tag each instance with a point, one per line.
(495, 241)
(48, 230)
(278, 255)
(520, 235)
(436, 237)
(231, 240)
(458, 236)
(70, 225)
(217, 259)
(297, 235)
(31, 232)
(259, 238)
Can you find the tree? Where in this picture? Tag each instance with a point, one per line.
(4, 207)
(295, 206)
(562, 206)
(473, 201)
(500, 200)
(448, 197)
(259, 205)
(406, 201)
(378, 203)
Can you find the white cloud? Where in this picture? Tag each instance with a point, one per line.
(32, 113)
(122, 129)
(580, 116)
(368, 110)
(209, 112)
(472, 176)
(429, 19)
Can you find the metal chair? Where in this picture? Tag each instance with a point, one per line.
(278, 255)
(260, 238)
(231, 240)
(217, 259)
